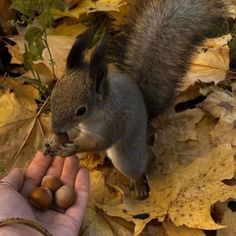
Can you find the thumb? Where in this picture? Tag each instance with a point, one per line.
(15, 178)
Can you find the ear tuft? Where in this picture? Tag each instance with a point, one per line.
(76, 55)
(98, 64)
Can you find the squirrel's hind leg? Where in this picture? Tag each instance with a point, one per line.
(132, 161)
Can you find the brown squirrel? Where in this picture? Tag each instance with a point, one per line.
(111, 108)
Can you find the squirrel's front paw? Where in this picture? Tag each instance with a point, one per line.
(67, 149)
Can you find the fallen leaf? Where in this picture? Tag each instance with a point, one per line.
(6, 16)
(221, 104)
(182, 193)
(172, 230)
(229, 219)
(22, 132)
(90, 6)
(69, 29)
(26, 94)
(94, 225)
(119, 226)
(211, 62)
(16, 54)
(92, 160)
(203, 188)
(231, 5)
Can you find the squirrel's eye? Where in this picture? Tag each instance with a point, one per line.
(81, 111)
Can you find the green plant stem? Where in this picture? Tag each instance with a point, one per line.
(50, 54)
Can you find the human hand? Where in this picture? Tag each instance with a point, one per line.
(14, 202)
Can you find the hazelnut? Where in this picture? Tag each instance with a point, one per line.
(65, 196)
(41, 198)
(51, 182)
(60, 139)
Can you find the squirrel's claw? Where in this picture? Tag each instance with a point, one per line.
(67, 149)
(140, 188)
(48, 150)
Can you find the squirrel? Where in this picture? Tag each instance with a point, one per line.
(111, 108)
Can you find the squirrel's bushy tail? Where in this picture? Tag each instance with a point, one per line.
(159, 42)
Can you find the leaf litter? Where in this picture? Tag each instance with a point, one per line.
(194, 148)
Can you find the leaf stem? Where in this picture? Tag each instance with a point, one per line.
(43, 106)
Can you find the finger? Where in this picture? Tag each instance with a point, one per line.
(70, 170)
(35, 172)
(82, 190)
(56, 167)
(15, 178)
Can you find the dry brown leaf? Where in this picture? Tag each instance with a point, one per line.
(16, 54)
(151, 230)
(121, 15)
(119, 226)
(172, 230)
(183, 138)
(6, 16)
(91, 160)
(72, 2)
(191, 93)
(211, 62)
(69, 29)
(89, 6)
(231, 4)
(21, 132)
(221, 104)
(94, 225)
(25, 93)
(229, 219)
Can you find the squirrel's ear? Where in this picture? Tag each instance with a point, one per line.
(76, 54)
(98, 65)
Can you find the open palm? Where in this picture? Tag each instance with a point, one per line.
(14, 203)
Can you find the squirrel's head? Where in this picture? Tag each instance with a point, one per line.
(83, 85)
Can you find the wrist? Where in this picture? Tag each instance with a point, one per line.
(22, 226)
(18, 230)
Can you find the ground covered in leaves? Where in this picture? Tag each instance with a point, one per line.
(192, 179)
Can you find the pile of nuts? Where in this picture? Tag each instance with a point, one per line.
(52, 189)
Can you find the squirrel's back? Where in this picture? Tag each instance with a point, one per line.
(159, 42)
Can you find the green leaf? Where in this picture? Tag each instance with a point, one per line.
(59, 5)
(29, 80)
(35, 82)
(33, 34)
(27, 7)
(35, 45)
(22, 7)
(36, 49)
(28, 60)
(46, 19)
